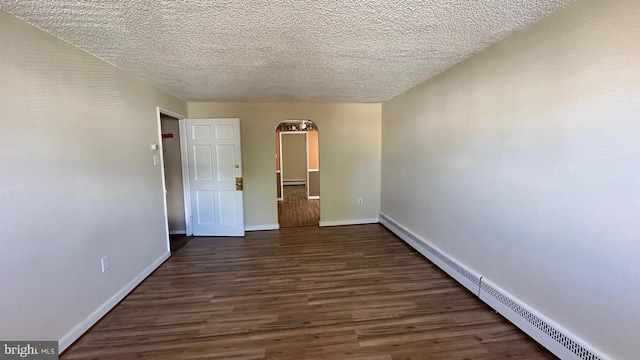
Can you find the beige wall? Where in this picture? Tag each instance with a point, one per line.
(294, 155)
(314, 183)
(314, 163)
(523, 164)
(349, 156)
(77, 182)
(314, 159)
(173, 174)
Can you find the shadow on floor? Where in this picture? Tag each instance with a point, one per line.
(177, 242)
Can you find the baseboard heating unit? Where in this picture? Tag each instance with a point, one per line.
(552, 336)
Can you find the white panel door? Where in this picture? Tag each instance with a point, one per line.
(215, 168)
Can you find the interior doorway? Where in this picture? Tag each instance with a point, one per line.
(172, 165)
(298, 173)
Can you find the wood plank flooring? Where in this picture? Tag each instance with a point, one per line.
(350, 292)
(295, 210)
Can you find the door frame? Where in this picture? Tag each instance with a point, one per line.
(184, 160)
(306, 159)
(184, 164)
(186, 186)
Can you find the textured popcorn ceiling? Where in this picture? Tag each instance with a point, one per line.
(283, 50)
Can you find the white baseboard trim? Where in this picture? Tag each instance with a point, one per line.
(294, 182)
(316, 197)
(177, 232)
(262, 227)
(93, 318)
(557, 339)
(545, 331)
(348, 222)
(465, 276)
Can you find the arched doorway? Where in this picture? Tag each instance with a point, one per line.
(298, 173)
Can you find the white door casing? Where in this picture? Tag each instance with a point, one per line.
(214, 165)
(306, 149)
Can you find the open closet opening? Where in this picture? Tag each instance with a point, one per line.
(298, 173)
(173, 180)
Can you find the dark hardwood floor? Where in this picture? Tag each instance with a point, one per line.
(295, 210)
(351, 292)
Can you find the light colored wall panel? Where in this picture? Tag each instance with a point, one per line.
(77, 183)
(314, 183)
(314, 158)
(294, 154)
(349, 155)
(523, 163)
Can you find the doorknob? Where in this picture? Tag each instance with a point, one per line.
(239, 184)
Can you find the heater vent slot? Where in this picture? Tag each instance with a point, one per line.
(543, 326)
(410, 237)
(558, 340)
(462, 271)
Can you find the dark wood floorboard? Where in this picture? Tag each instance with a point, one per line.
(350, 292)
(296, 210)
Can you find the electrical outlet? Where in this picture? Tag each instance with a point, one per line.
(105, 263)
(360, 202)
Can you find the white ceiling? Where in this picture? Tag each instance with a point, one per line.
(283, 50)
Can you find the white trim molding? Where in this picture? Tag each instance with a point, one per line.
(78, 330)
(348, 222)
(465, 276)
(261, 227)
(294, 182)
(542, 329)
(557, 339)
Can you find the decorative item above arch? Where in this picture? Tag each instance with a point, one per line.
(297, 125)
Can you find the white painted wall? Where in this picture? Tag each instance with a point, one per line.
(523, 163)
(77, 182)
(349, 156)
